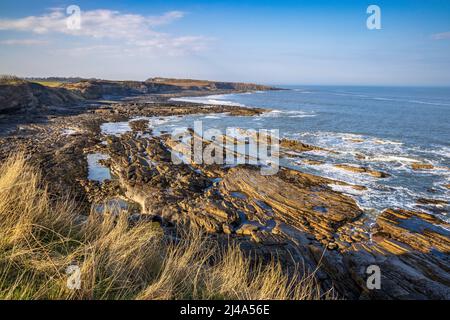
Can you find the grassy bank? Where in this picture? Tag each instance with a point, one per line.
(51, 84)
(40, 237)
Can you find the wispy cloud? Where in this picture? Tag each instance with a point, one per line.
(132, 30)
(441, 36)
(23, 42)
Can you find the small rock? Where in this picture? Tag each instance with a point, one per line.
(332, 246)
(226, 229)
(247, 229)
(422, 166)
(432, 201)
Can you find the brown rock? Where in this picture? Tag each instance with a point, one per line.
(420, 230)
(297, 145)
(295, 198)
(377, 174)
(332, 246)
(226, 229)
(432, 201)
(360, 156)
(421, 166)
(247, 229)
(358, 187)
(313, 162)
(139, 125)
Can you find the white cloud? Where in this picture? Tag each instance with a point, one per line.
(133, 30)
(23, 42)
(166, 18)
(441, 36)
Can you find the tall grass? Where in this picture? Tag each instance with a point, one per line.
(40, 237)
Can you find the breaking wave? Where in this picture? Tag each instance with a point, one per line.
(209, 100)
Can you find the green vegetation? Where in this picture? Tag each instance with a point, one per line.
(51, 84)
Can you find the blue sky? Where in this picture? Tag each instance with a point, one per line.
(277, 42)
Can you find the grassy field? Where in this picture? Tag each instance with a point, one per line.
(51, 84)
(40, 237)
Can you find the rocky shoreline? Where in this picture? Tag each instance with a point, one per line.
(293, 216)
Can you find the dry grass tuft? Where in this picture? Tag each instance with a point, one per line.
(10, 79)
(40, 238)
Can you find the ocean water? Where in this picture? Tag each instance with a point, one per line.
(385, 129)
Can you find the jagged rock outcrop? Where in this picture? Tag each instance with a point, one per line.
(352, 168)
(421, 166)
(297, 146)
(419, 230)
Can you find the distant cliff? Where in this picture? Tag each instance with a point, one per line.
(205, 85)
(17, 95)
(96, 89)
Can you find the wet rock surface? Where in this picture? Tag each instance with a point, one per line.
(297, 145)
(352, 168)
(293, 216)
(419, 230)
(422, 166)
